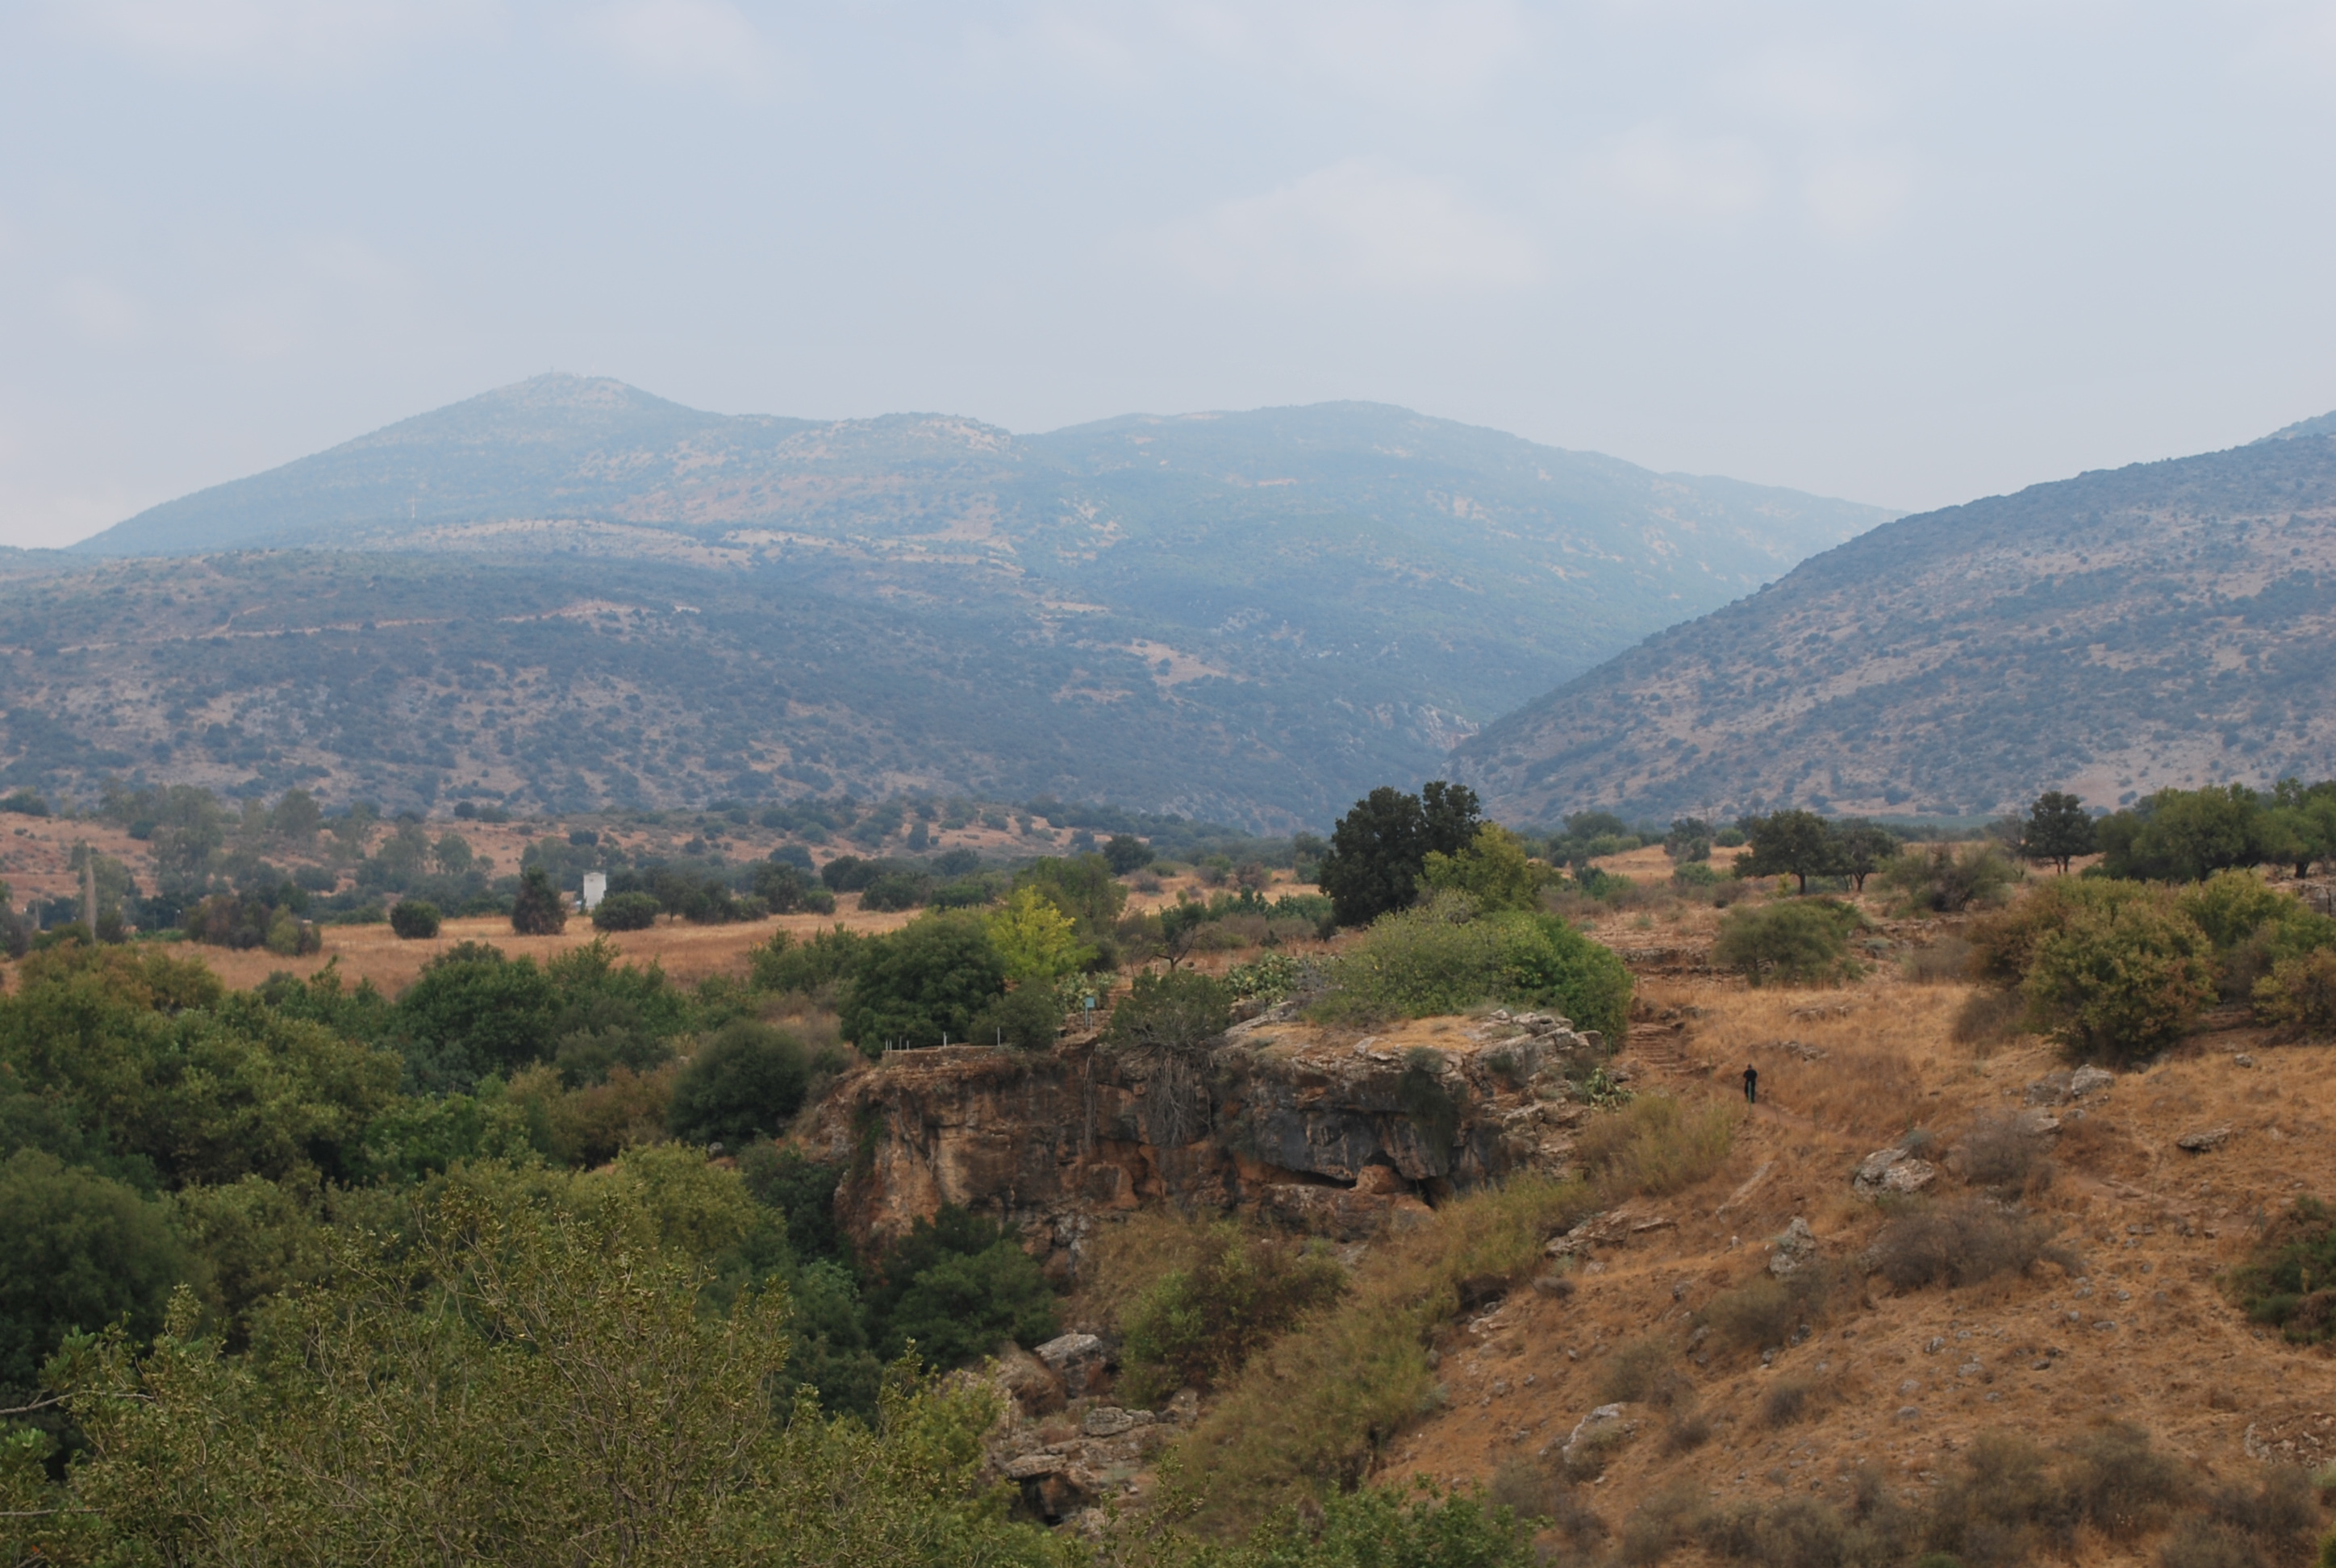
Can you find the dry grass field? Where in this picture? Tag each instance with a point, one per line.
(2132, 1328)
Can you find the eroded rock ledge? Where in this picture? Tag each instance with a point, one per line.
(1334, 1134)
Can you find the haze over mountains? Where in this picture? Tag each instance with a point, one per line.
(2164, 624)
(571, 592)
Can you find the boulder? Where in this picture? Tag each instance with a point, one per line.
(1892, 1172)
(1110, 1420)
(2205, 1140)
(1796, 1247)
(1036, 1389)
(1080, 1360)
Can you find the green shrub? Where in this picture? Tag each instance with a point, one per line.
(1443, 958)
(2120, 982)
(895, 890)
(415, 920)
(83, 1252)
(1027, 1018)
(625, 912)
(2003, 944)
(815, 966)
(2299, 995)
(957, 1286)
(1197, 1326)
(923, 985)
(2288, 1281)
(1945, 880)
(746, 1082)
(540, 909)
(1803, 941)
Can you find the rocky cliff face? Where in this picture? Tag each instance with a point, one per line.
(1336, 1135)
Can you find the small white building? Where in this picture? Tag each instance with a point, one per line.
(596, 888)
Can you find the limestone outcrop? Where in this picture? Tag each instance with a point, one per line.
(1338, 1135)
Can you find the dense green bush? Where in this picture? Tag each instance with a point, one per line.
(1380, 847)
(83, 1252)
(923, 984)
(1804, 941)
(817, 966)
(2288, 1279)
(2299, 995)
(1946, 880)
(745, 1081)
(540, 909)
(1027, 1018)
(2120, 982)
(1442, 958)
(896, 891)
(625, 912)
(957, 1286)
(415, 920)
(1195, 1325)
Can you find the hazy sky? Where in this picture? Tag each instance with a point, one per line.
(1905, 253)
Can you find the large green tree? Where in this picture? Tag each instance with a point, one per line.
(924, 984)
(1380, 847)
(1795, 843)
(2059, 829)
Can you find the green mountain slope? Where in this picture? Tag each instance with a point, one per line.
(2166, 623)
(1254, 615)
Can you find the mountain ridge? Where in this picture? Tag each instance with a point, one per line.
(2125, 629)
(1253, 615)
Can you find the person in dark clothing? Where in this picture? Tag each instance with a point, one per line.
(1751, 1085)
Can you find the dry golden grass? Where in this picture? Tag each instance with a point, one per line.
(1874, 1041)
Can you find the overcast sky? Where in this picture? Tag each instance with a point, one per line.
(1906, 253)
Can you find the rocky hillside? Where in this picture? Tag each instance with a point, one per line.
(2169, 623)
(569, 592)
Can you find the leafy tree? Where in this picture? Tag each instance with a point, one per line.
(1380, 847)
(473, 1012)
(2120, 981)
(923, 984)
(2186, 835)
(2301, 826)
(1124, 853)
(413, 919)
(297, 818)
(1799, 943)
(637, 1427)
(1946, 880)
(1036, 938)
(83, 1252)
(746, 1081)
(1081, 886)
(1027, 1018)
(1863, 849)
(2059, 829)
(625, 912)
(957, 1285)
(539, 911)
(1795, 843)
(818, 965)
(786, 887)
(895, 890)
(1494, 871)
(1689, 839)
